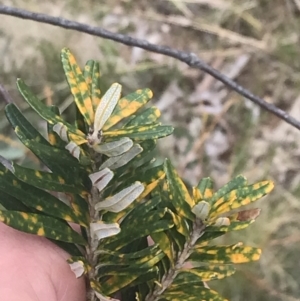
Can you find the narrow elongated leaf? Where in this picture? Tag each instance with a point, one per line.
(41, 225)
(153, 131)
(53, 137)
(195, 293)
(121, 200)
(118, 161)
(17, 119)
(204, 190)
(205, 273)
(238, 181)
(44, 111)
(47, 153)
(102, 230)
(117, 282)
(46, 180)
(114, 148)
(226, 254)
(140, 210)
(148, 116)
(107, 105)
(124, 238)
(92, 78)
(178, 193)
(150, 179)
(78, 86)
(127, 106)
(240, 197)
(180, 224)
(165, 245)
(68, 247)
(114, 257)
(38, 199)
(11, 203)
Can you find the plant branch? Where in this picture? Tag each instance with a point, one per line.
(168, 278)
(187, 57)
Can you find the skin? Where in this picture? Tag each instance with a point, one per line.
(34, 269)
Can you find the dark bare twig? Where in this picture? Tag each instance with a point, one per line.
(187, 57)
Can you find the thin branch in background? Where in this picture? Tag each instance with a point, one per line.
(4, 95)
(187, 57)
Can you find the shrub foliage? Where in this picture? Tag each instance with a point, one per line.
(143, 234)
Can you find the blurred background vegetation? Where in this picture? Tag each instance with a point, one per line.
(218, 133)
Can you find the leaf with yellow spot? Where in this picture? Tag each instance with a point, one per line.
(153, 131)
(240, 197)
(152, 224)
(91, 74)
(78, 86)
(134, 267)
(239, 181)
(41, 225)
(150, 179)
(127, 106)
(204, 190)
(148, 116)
(180, 224)
(165, 245)
(44, 111)
(16, 119)
(225, 254)
(116, 282)
(197, 292)
(39, 200)
(205, 273)
(46, 180)
(53, 137)
(178, 193)
(46, 153)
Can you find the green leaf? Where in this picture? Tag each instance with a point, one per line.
(192, 293)
(132, 234)
(78, 86)
(68, 247)
(148, 116)
(121, 160)
(55, 158)
(127, 106)
(38, 199)
(225, 254)
(165, 245)
(204, 273)
(237, 182)
(17, 119)
(178, 193)
(53, 137)
(205, 188)
(41, 225)
(92, 78)
(240, 197)
(11, 203)
(115, 283)
(46, 112)
(153, 131)
(46, 180)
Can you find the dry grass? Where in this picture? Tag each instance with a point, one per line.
(218, 133)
